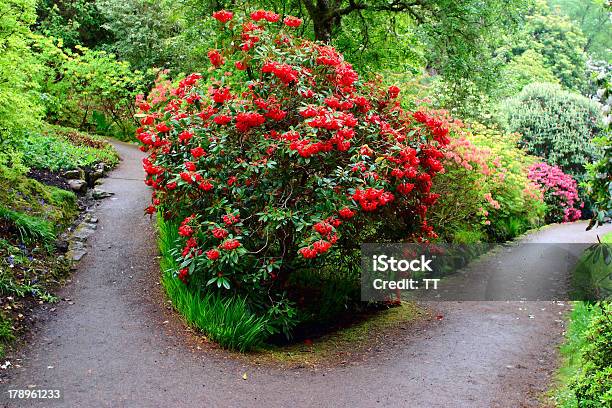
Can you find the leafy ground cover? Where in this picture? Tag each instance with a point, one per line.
(58, 149)
(585, 376)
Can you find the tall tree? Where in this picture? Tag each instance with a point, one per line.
(593, 17)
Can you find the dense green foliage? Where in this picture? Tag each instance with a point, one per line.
(74, 22)
(586, 376)
(92, 90)
(59, 149)
(593, 18)
(559, 41)
(19, 73)
(599, 176)
(556, 125)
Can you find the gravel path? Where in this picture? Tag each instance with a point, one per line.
(116, 344)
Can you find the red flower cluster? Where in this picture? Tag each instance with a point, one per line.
(183, 275)
(230, 219)
(219, 233)
(212, 254)
(436, 126)
(371, 198)
(247, 120)
(265, 15)
(284, 72)
(215, 58)
(230, 244)
(221, 95)
(223, 16)
(292, 21)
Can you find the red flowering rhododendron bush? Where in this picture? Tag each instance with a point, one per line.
(278, 159)
(560, 192)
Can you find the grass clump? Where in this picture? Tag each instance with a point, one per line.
(226, 321)
(30, 229)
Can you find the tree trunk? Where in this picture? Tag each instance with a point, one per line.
(323, 19)
(322, 29)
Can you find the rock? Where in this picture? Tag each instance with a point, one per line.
(99, 194)
(96, 173)
(76, 251)
(95, 176)
(83, 231)
(78, 186)
(100, 167)
(76, 254)
(76, 174)
(61, 245)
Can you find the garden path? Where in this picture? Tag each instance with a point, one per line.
(113, 342)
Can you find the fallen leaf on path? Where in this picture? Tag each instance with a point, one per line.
(244, 376)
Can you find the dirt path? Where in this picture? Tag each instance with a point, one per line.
(115, 343)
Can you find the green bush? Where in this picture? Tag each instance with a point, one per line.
(593, 385)
(556, 125)
(95, 92)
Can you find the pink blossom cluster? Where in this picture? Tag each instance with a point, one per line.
(560, 192)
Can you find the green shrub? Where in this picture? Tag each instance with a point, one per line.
(593, 385)
(95, 92)
(556, 125)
